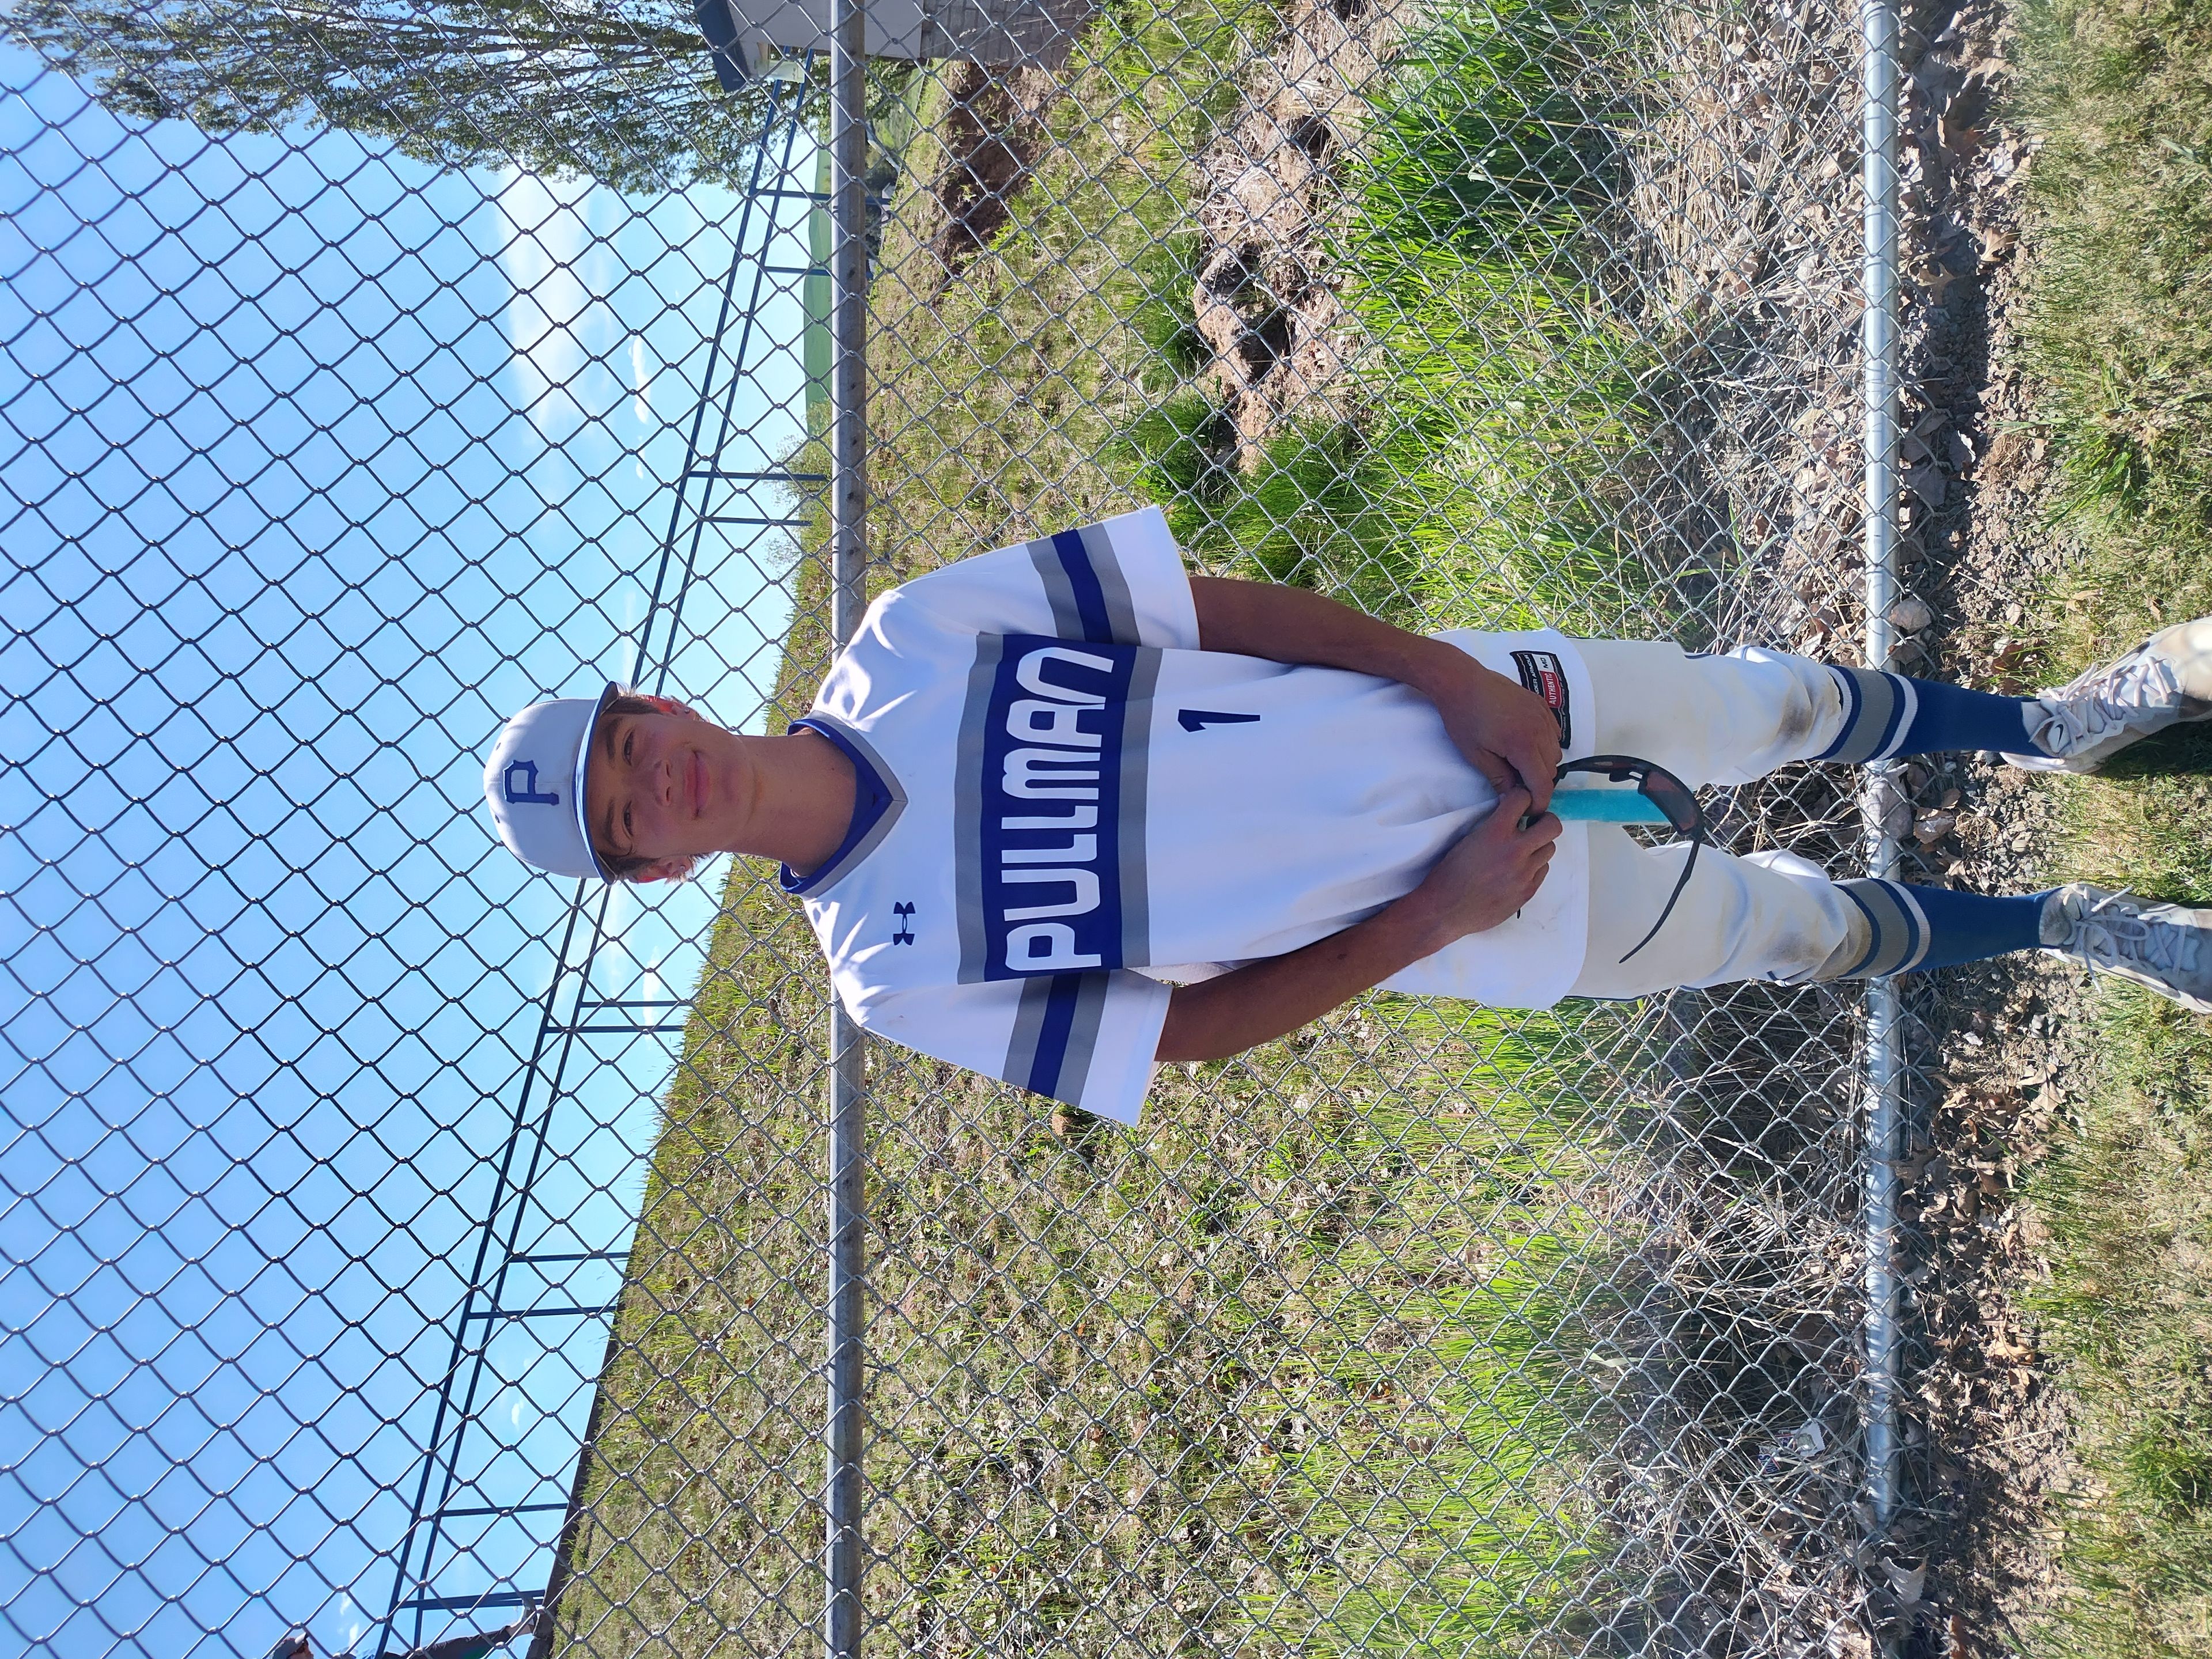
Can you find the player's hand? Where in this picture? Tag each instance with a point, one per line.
(1493, 869)
(1504, 729)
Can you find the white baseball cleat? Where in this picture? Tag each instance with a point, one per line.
(2165, 681)
(2165, 947)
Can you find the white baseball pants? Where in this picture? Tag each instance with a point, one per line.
(1769, 916)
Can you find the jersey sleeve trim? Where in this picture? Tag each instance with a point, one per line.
(1088, 1039)
(1055, 1032)
(1117, 582)
(1080, 610)
(1073, 1041)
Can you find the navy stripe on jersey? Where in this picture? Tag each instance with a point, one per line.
(1129, 835)
(968, 807)
(1113, 586)
(1055, 1033)
(1050, 825)
(1085, 587)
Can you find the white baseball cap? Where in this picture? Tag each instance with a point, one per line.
(535, 783)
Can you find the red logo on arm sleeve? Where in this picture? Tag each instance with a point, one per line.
(1542, 672)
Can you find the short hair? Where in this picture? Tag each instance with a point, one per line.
(627, 868)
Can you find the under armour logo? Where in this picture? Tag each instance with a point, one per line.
(527, 771)
(905, 934)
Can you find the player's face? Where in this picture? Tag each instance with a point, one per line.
(665, 787)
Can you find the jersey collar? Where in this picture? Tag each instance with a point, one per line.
(878, 800)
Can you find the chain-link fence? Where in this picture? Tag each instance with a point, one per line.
(397, 1241)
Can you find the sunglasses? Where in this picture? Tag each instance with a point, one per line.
(1674, 799)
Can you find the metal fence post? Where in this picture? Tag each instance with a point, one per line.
(842, 1622)
(1879, 392)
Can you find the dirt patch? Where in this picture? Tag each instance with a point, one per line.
(1738, 243)
(1749, 209)
(993, 128)
(1740, 229)
(1743, 216)
(1266, 299)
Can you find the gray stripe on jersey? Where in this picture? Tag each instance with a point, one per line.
(968, 809)
(1129, 828)
(1060, 594)
(1106, 565)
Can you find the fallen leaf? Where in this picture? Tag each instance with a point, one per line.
(1908, 1582)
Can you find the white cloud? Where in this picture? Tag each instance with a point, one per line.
(553, 312)
(642, 382)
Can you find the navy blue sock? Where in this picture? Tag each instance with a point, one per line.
(1916, 928)
(1887, 715)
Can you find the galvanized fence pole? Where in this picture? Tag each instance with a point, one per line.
(1884, 1061)
(844, 1490)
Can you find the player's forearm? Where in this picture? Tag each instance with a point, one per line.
(1290, 624)
(1264, 999)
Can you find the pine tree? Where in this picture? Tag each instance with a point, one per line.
(619, 90)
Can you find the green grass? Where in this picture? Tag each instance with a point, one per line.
(1300, 1366)
(1498, 405)
(2122, 272)
(2116, 327)
(2128, 1198)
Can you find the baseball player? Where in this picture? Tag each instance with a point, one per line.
(1062, 810)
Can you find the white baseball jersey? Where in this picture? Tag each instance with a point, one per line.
(1064, 801)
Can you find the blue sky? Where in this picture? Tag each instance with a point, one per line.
(316, 463)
